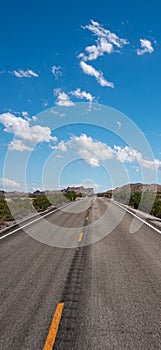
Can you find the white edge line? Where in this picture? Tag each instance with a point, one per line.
(145, 222)
(32, 222)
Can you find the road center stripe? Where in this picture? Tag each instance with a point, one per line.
(80, 237)
(50, 340)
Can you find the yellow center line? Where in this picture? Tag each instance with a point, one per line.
(80, 237)
(50, 340)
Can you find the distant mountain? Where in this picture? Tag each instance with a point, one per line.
(80, 189)
(139, 187)
(136, 187)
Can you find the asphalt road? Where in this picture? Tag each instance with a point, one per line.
(111, 289)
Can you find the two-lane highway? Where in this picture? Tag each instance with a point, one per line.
(105, 295)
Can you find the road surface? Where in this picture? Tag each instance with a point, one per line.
(110, 290)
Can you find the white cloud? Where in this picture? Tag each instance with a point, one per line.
(92, 51)
(146, 47)
(95, 51)
(21, 129)
(93, 152)
(25, 114)
(119, 124)
(126, 154)
(27, 117)
(82, 94)
(29, 73)
(105, 46)
(44, 102)
(99, 31)
(88, 149)
(34, 118)
(19, 145)
(105, 42)
(89, 70)
(8, 183)
(63, 99)
(129, 155)
(59, 156)
(52, 111)
(62, 146)
(150, 164)
(56, 70)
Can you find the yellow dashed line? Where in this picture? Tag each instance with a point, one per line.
(80, 237)
(50, 340)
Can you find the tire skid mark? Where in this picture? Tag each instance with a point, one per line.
(71, 296)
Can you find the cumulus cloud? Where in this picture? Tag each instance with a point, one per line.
(29, 73)
(26, 135)
(129, 155)
(61, 146)
(8, 183)
(90, 150)
(93, 152)
(63, 99)
(146, 47)
(89, 70)
(82, 95)
(34, 118)
(106, 41)
(150, 164)
(19, 145)
(98, 30)
(57, 72)
(94, 51)
(25, 114)
(126, 154)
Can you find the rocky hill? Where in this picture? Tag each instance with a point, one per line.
(139, 187)
(80, 189)
(131, 188)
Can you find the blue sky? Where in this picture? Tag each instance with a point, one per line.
(57, 54)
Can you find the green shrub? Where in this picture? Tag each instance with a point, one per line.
(135, 199)
(122, 196)
(156, 210)
(5, 214)
(41, 202)
(71, 195)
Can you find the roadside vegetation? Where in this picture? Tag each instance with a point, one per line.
(72, 195)
(5, 214)
(137, 200)
(42, 202)
(18, 206)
